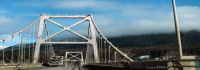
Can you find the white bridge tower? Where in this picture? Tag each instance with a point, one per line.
(91, 39)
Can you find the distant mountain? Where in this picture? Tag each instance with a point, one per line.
(155, 39)
(155, 45)
(150, 39)
(2, 47)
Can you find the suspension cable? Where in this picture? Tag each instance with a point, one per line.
(101, 49)
(24, 51)
(109, 55)
(29, 49)
(115, 48)
(12, 49)
(46, 45)
(33, 47)
(19, 47)
(45, 52)
(105, 50)
(90, 54)
(3, 51)
(20, 30)
(115, 56)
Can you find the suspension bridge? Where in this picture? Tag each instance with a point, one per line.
(33, 45)
(26, 43)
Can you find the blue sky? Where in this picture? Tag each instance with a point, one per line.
(113, 17)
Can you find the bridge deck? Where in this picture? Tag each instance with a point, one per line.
(14, 67)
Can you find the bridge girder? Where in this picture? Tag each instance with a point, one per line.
(91, 40)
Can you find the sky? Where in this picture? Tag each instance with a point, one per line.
(113, 17)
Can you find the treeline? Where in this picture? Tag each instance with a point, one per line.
(155, 39)
(156, 45)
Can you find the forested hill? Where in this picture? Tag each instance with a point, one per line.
(155, 45)
(155, 39)
(192, 37)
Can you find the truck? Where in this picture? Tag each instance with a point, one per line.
(55, 61)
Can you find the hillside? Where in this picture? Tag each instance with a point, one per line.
(156, 45)
(155, 39)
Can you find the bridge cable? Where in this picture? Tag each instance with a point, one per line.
(47, 35)
(115, 56)
(33, 47)
(45, 51)
(19, 30)
(22, 46)
(105, 50)
(12, 50)
(90, 54)
(3, 51)
(19, 47)
(29, 48)
(25, 42)
(115, 48)
(24, 51)
(109, 54)
(101, 49)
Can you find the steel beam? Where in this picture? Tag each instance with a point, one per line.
(39, 38)
(86, 18)
(55, 23)
(177, 30)
(93, 45)
(65, 43)
(54, 34)
(78, 16)
(78, 34)
(74, 55)
(67, 28)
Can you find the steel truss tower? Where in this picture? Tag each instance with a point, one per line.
(91, 39)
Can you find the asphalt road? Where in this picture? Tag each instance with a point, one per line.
(68, 66)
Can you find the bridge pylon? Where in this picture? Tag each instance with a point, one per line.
(39, 38)
(92, 51)
(92, 47)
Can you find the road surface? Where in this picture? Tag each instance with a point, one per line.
(67, 66)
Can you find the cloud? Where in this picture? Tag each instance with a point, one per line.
(73, 4)
(189, 17)
(154, 21)
(115, 18)
(3, 47)
(3, 11)
(5, 20)
(82, 4)
(9, 25)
